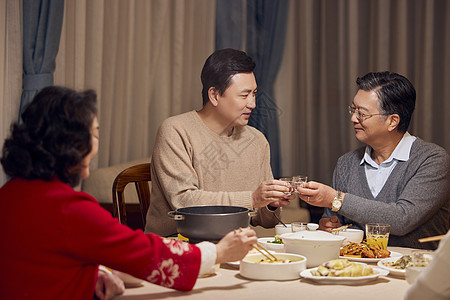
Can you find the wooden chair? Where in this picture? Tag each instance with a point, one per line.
(141, 176)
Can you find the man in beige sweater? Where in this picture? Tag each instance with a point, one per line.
(211, 157)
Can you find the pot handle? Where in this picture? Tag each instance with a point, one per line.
(251, 213)
(172, 214)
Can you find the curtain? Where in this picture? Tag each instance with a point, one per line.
(230, 20)
(266, 27)
(263, 24)
(329, 44)
(42, 21)
(10, 67)
(144, 59)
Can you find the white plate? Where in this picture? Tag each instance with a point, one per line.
(344, 280)
(392, 271)
(234, 263)
(371, 260)
(271, 246)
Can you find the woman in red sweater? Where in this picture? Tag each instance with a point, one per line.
(54, 238)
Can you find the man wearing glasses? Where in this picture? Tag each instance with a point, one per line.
(396, 179)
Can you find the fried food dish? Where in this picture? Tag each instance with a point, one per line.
(364, 250)
(342, 268)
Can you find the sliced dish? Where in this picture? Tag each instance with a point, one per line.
(344, 280)
(392, 271)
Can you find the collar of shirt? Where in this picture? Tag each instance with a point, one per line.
(377, 175)
(400, 153)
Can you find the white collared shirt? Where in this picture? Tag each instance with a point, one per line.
(377, 174)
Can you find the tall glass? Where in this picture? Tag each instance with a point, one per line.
(378, 234)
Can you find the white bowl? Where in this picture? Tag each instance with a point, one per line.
(312, 226)
(271, 246)
(317, 246)
(249, 268)
(351, 235)
(280, 229)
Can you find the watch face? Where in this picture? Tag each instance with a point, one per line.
(336, 203)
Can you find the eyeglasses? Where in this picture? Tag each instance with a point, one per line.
(361, 116)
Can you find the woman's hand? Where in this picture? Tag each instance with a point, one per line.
(327, 224)
(235, 245)
(108, 285)
(272, 192)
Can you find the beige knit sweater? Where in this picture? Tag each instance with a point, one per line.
(192, 165)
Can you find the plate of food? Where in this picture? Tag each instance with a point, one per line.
(395, 265)
(272, 243)
(362, 252)
(343, 271)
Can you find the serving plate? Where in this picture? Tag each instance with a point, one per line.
(270, 246)
(371, 260)
(392, 271)
(344, 280)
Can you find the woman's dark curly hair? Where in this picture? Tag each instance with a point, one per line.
(54, 137)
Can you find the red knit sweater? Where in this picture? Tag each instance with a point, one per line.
(53, 239)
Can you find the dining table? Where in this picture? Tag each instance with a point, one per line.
(227, 283)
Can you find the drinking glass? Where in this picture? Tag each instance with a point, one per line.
(289, 180)
(299, 226)
(378, 234)
(299, 181)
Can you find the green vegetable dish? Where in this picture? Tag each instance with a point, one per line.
(276, 241)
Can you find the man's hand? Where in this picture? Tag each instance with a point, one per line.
(108, 285)
(272, 192)
(327, 224)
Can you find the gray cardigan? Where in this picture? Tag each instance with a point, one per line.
(414, 199)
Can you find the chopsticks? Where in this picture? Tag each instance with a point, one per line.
(258, 247)
(341, 228)
(431, 239)
(279, 220)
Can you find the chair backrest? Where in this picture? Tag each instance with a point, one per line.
(141, 176)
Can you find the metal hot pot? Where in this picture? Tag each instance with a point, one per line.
(210, 222)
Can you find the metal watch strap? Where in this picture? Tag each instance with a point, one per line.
(338, 197)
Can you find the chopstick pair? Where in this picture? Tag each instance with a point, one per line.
(258, 247)
(431, 239)
(341, 228)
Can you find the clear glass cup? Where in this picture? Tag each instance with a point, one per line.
(378, 234)
(291, 185)
(299, 226)
(299, 181)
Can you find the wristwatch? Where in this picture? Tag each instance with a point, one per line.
(336, 204)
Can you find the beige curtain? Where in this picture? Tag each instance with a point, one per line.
(10, 66)
(143, 58)
(329, 44)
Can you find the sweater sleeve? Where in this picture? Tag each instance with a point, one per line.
(94, 236)
(176, 176)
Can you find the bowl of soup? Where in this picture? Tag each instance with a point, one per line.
(258, 267)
